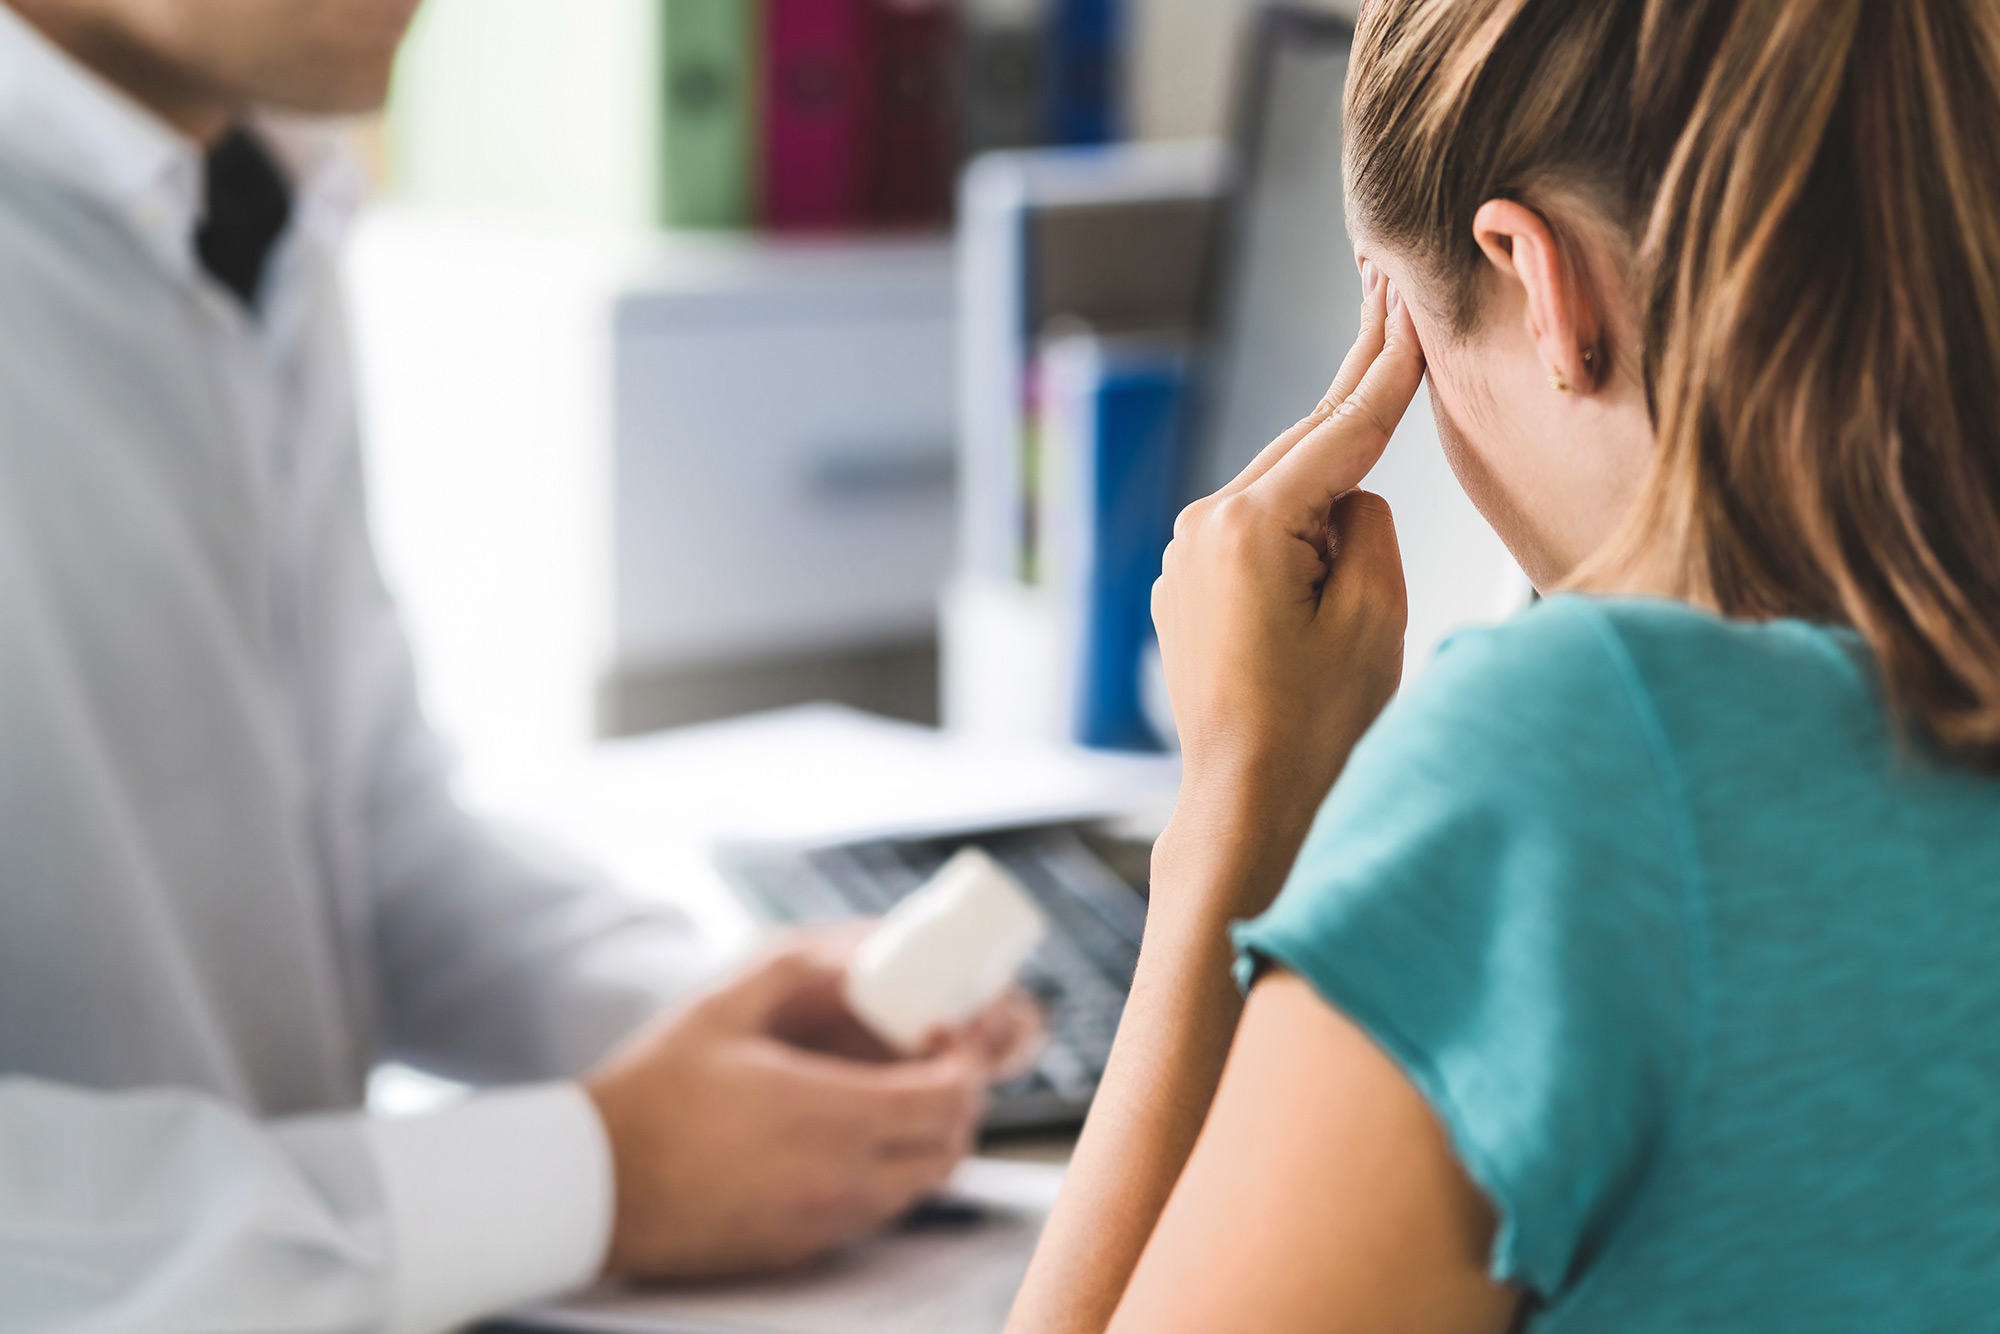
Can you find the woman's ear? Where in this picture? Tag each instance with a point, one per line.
(1562, 318)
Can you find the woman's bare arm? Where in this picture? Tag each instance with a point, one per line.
(1163, 1071)
(1322, 1196)
(1317, 1192)
(1281, 614)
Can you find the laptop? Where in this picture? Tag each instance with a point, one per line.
(1089, 880)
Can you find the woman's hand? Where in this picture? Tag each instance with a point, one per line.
(1280, 614)
(1281, 609)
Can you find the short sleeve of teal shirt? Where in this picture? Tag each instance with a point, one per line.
(1497, 892)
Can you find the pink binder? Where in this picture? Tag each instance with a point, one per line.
(818, 115)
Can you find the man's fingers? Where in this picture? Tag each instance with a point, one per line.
(798, 982)
(796, 973)
(1007, 1035)
(932, 1101)
(857, 1195)
(935, 1101)
(885, 1187)
(1334, 456)
(1367, 347)
(902, 1177)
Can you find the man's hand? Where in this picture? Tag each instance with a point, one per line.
(761, 1125)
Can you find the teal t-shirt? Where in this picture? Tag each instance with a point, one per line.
(1696, 959)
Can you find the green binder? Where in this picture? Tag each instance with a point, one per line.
(708, 76)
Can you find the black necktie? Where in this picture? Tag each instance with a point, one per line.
(248, 201)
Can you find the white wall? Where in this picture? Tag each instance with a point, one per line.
(539, 106)
(484, 366)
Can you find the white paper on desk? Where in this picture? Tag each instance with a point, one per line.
(650, 809)
(948, 1280)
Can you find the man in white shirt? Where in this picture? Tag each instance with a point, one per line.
(232, 876)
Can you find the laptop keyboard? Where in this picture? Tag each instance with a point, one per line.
(1080, 973)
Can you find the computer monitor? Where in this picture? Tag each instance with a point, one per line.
(1283, 307)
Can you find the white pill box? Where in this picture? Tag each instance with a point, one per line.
(945, 952)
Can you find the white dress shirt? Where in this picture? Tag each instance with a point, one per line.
(232, 872)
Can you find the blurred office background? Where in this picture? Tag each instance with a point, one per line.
(691, 390)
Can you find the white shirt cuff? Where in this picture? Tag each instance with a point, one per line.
(502, 1199)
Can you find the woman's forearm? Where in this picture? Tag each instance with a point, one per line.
(1281, 614)
(1148, 1110)
(1219, 861)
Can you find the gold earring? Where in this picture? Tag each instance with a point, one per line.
(1563, 386)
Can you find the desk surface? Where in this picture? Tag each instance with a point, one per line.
(651, 809)
(937, 1278)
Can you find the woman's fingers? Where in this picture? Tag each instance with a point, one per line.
(1332, 458)
(1375, 291)
(1362, 530)
(1367, 347)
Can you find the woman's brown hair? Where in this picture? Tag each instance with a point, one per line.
(1812, 188)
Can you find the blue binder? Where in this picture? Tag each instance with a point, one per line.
(1080, 71)
(1129, 494)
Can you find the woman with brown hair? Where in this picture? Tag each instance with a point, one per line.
(1639, 971)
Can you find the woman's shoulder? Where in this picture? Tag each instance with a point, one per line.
(1585, 729)
(1560, 652)
(1542, 728)
(1538, 691)
(1584, 721)
(1651, 673)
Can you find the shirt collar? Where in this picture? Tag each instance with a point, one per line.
(70, 124)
